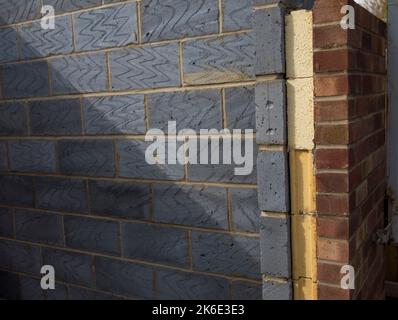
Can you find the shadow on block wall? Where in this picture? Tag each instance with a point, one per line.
(77, 194)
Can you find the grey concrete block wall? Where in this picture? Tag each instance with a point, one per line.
(73, 175)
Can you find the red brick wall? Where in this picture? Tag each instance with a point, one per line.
(350, 111)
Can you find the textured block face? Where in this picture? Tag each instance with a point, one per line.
(120, 199)
(191, 110)
(246, 291)
(132, 163)
(13, 119)
(154, 243)
(175, 285)
(16, 190)
(273, 184)
(31, 290)
(223, 172)
(187, 205)
(269, 29)
(61, 6)
(124, 278)
(57, 117)
(38, 42)
(38, 227)
(175, 19)
(92, 235)
(271, 113)
(219, 59)
(3, 156)
(71, 267)
(61, 194)
(114, 115)
(19, 257)
(14, 11)
(233, 255)
(240, 107)
(82, 73)
(9, 45)
(275, 247)
(277, 291)
(25, 79)
(145, 67)
(32, 156)
(245, 211)
(238, 14)
(6, 222)
(86, 157)
(113, 26)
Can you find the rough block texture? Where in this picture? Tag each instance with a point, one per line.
(8, 41)
(13, 119)
(277, 291)
(240, 108)
(238, 14)
(6, 222)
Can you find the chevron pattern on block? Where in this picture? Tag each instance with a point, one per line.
(175, 19)
(61, 6)
(25, 79)
(8, 45)
(219, 59)
(107, 27)
(38, 42)
(145, 67)
(14, 11)
(86, 73)
(238, 14)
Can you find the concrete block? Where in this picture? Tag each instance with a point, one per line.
(36, 42)
(87, 157)
(14, 11)
(38, 227)
(190, 109)
(238, 14)
(107, 27)
(242, 290)
(31, 290)
(6, 222)
(77, 293)
(269, 25)
(55, 117)
(271, 113)
(245, 211)
(92, 235)
(226, 254)
(176, 285)
(81, 73)
(68, 195)
(219, 59)
(277, 290)
(10, 288)
(70, 267)
(275, 247)
(9, 45)
(24, 80)
(175, 19)
(3, 156)
(240, 108)
(19, 257)
(114, 115)
(153, 243)
(16, 191)
(124, 278)
(71, 5)
(132, 163)
(32, 156)
(193, 206)
(13, 119)
(123, 200)
(273, 181)
(145, 67)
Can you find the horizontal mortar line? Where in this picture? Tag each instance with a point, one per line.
(297, 279)
(333, 98)
(276, 215)
(62, 14)
(67, 284)
(133, 91)
(328, 284)
(270, 147)
(326, 24)
(337, 23)
(335, 263)
(328, 74)
(349, 48)
(140, 262)
(94, 216)
(291, 79)
(132, 180)
(304, 214)
(128, 46)
(343, 241)
(351, 121)
(270, 278)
